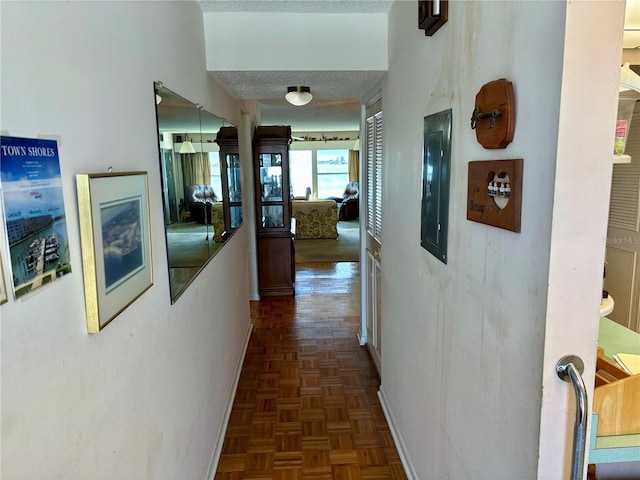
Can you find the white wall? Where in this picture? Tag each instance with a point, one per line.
(463, 342)
(245, 137)
(145, 398)
(582, 184)
(296, 41)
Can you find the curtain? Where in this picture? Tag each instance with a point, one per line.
(187, 170)
(195, 169)
(354, 165)
(201, 169)
(178, 179)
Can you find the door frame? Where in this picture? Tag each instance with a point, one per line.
(364, 309)
(588, 106)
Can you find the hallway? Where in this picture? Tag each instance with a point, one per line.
(306, 405)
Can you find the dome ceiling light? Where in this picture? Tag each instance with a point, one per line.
(298, 95)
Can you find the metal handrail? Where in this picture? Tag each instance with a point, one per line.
(569, 369)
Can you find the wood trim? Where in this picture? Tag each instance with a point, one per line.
(495, 132)
(502, 211)
(427, 20)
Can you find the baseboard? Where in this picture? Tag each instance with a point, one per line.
(400, 445)
(374, 358)
(217, 449)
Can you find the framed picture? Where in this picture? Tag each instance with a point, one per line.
(432, 14)
(34, 214)
(116, 243)
(3, 290)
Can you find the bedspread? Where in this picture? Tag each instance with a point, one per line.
(315, 218)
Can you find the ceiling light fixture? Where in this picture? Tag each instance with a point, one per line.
(298, 95)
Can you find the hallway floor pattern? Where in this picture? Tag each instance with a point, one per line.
(306, 406)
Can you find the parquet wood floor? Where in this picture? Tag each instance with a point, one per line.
(306, 406)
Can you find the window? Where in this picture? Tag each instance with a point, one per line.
(333, 172)
(216, 179)
(326, 172)
(301, 171)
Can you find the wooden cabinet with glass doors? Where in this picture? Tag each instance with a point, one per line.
(276, 266)
(227, 140)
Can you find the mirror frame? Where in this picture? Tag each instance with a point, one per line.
(176, 116)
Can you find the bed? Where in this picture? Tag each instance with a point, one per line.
(315, 218)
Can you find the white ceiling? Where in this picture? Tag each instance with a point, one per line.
(335, 105)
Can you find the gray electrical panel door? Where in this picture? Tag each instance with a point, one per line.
(435, 183)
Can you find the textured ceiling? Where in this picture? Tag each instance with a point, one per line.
(335, 104)
(318, 116)
(251, 85)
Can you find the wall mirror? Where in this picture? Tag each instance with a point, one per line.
(195, 186)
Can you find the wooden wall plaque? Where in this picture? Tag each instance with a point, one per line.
(494, 131)
(494, 194)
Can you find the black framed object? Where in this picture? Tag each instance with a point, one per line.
(432, 14)
(227, 139)
(436, 173)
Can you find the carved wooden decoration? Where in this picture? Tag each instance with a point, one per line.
(494, 116)
(432, 14)
(494, 195)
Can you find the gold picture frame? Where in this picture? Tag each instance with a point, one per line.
(3, 288)
(115, 233)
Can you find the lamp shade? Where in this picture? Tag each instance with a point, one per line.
(187, 147)
(298, 96)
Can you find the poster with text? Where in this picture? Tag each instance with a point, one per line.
(35, 225)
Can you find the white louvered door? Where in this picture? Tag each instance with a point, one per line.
(373, 192)
(623, 235)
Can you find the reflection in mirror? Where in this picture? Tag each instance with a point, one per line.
(227, 140)
(192, 186)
